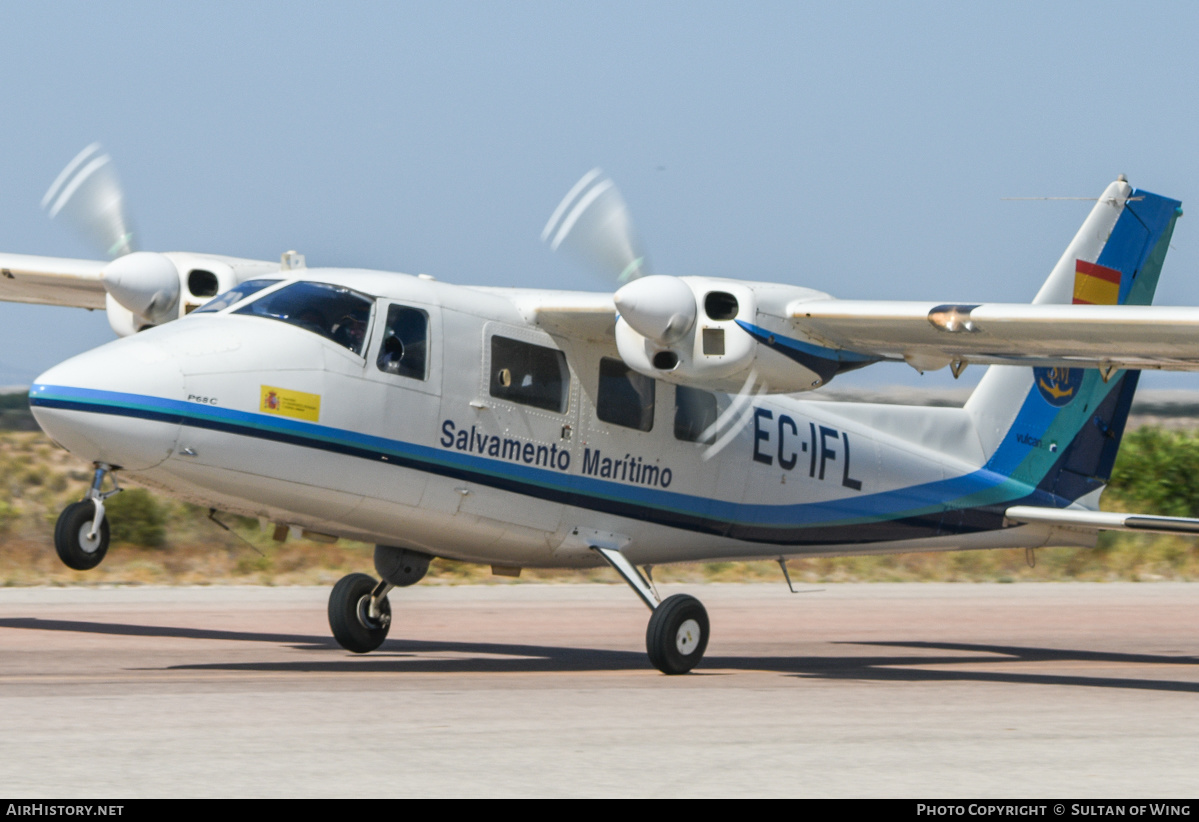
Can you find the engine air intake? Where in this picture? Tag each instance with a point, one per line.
(720, 305)
(666, 360)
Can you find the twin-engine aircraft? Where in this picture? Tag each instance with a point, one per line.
(528, 428)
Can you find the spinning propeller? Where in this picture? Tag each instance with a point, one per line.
(593, 223)
(87, 196)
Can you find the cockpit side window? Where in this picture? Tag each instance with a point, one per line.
(233, 295)
(405, 349)
(332, 311)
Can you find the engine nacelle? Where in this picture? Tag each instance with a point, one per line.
(145, 283)
(704, 346)
(708, 333)
(147, 289)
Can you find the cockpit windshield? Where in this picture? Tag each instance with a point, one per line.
(334, 312)
(233, 295)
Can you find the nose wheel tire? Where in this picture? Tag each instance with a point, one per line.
(71, 540)
(677, 635)
(349, 614)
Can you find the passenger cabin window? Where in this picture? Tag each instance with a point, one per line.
(405, 349)
(694, 414)
(334, 312)
(625, 397)
(233, 295)
(529, 374)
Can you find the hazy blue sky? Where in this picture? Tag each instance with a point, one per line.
(858, 148)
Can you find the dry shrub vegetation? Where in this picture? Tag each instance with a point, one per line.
(156, 540)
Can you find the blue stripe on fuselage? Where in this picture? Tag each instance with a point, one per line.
(904, 513)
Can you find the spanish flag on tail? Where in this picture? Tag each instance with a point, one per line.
(1095, 284)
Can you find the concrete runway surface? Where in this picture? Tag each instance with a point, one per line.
(923, 690)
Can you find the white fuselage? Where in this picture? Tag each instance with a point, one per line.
(262, 418)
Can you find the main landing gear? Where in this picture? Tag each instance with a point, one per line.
(81, 535)
(359, 612)
(677, 634)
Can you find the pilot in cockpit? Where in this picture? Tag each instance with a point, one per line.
(350, 332)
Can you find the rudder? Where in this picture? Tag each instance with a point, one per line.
(1058, 429)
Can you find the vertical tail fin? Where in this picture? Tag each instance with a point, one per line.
(1058, 429)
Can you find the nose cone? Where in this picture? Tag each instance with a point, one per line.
(115, 404)
(661, 308)
(145, 283)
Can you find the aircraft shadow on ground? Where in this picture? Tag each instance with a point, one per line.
(957, 662)
(302, 641)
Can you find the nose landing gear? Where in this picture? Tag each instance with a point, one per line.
(81, 534)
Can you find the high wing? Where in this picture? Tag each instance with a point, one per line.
(51, 281)
(928, 335)
(137, 289)
(568, 315)
(1094, 312)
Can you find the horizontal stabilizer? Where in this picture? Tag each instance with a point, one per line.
(1102, 520)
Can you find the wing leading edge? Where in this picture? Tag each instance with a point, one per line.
(1076, 336)
(570, 315)
(26, 278)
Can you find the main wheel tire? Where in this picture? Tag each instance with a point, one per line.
(349, 614)
(70, 536)
(677, 635)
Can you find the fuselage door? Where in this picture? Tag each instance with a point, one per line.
(518, 428)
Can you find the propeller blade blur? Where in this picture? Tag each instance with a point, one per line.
(593, 223)
(87, 195)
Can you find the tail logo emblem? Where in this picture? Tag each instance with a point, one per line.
(1058, 385)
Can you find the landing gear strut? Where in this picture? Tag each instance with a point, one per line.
(81, 535)
(677, 634)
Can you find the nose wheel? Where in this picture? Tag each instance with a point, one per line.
(81, 534)
(78, 545)
(359, 613)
